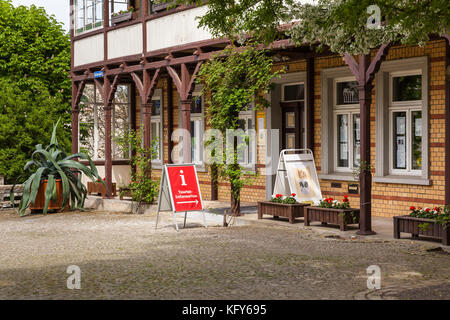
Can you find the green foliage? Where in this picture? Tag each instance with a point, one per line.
(143, 188)
(52, 163)
(232, 81)
(440, 215)
(35, 89)
(285, 200)
(334, 204)
(340, 25)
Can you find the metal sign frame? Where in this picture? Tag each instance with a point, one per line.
(282, 179)
(165, 189)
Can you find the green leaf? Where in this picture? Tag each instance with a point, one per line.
(49, 191)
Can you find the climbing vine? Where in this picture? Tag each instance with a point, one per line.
(234, 80)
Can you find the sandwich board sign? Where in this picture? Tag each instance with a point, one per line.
(179, 191)
(297, 174)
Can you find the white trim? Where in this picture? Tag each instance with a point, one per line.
(385, 106)
(292, 84)
(158, 95)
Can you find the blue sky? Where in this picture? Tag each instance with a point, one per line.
(58, 8)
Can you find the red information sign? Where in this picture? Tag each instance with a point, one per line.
(185, 189)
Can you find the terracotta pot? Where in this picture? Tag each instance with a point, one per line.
(39, 203)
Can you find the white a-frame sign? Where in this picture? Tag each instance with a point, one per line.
(179, 191)
(297, 174)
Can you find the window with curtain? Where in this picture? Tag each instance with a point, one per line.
(406, 123)
(92, 123)
(347, 125)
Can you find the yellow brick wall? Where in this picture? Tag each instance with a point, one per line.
(388, 199)
(394, 199)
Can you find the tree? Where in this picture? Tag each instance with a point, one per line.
(35, 88)
(340, 25)
(233, 81)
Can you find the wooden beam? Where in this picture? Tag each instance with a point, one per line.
(376, 62)
(352, 64)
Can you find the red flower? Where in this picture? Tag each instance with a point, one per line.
(427, 209)
(279, 195)
(437, 209)
(345, 199)
(412, 208)
(293, 194)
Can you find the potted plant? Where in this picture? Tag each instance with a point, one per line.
(427, 222)
(332, 211)
(99, 187)
(53, 178)
(122, 16)
(282, 206)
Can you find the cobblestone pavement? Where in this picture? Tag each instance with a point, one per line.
(123, 257)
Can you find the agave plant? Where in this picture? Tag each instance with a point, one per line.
(52, 163)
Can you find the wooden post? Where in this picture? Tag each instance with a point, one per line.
(364, 72)
(186, 125)
(146, 87)
(77, 92)
(185, 86)
(75, 119)
(365, 178)
(147, 113)
(169, 120)
(108, 145)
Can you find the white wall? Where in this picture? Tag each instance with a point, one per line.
(176, 29)
(125, 41)
(88, 50)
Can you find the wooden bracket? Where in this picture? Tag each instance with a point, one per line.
(185, 82)
(146, 86)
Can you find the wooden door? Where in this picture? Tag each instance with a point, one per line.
(291, 113)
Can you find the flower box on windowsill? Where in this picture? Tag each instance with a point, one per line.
(122, 18)
(341, 217)
(276, 210)
(422, 226)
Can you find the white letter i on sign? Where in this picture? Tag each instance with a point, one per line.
(183, 182)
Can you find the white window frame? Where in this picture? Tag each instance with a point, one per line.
(158, 120)
(385, 107)
(249, 115)
(199, 118)
(95, 109)
(85, 25)
(402, 106)
(345, 109)
(292, 84)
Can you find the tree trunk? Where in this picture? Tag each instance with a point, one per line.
(235, 203)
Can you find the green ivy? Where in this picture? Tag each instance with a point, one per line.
(234, 79)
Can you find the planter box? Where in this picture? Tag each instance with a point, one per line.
(421, 226)
(121, 18)
(341, 217)
(100, 189)
(276, 210)
(39, 203)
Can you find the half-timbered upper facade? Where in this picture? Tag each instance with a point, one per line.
(136, 70)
